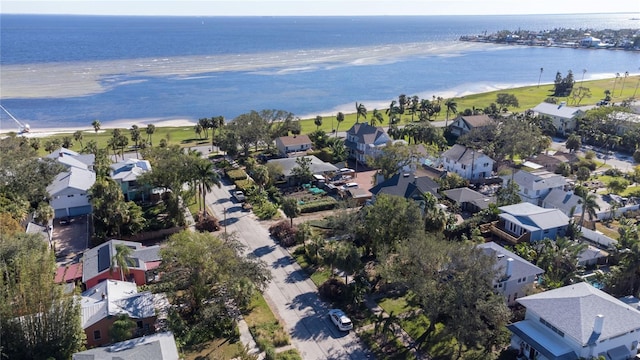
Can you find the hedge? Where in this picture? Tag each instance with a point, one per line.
(237, 174)
(244, 185)
(324, 204)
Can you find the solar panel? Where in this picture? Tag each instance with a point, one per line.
(104, 258)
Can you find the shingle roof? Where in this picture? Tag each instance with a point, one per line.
(367, 134)
(405, 185)
(564, 201)
(463, 155)
(98, 259)
(477, 120)
(159, 346)
(519, 268)
(561, 110)
(317, 166)
(294, 140)
(532, 217)
(572, 309)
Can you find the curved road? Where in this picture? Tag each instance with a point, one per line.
(292, 296)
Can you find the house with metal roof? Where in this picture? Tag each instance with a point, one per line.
(576, 322)
(364, 140)
(534, 186)
(516, 276)
(97, 263)
(293, 145)
(160, 346)
(103, 303)
(566, 201)
(528, 222)
(316, 166)
(126, 174)
(463, 124)
(470, 164)
(68, 190)
(563, 117)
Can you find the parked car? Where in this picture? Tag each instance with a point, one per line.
(350, 185)
(340, 320)
(238, 195)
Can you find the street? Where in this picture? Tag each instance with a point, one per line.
(291, 295)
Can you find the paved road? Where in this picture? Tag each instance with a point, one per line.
(291, 294)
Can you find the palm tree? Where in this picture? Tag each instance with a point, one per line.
(204, 123)
(360, 111)
(261, 176)
(452, 107)
(402, 103)
(290, 208)
(392, 111)
(135, 136)
(614, 83)
(339, 119)
(624, 79)
(149, 131)
(198, 129)
(540, 76)
(77, 136)
(121, 260)
(67, 142)
(207, 177)
(318, 122)
(376, 117)
(589, 206)
(96, 125)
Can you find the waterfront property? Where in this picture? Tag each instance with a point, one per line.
(563, 117)
(68, 191)
(291, 146)
(364, 141)
(463, 124)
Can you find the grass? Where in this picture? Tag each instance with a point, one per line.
(265, 328)
(215, 349)
(317, 275)
(393, 350)
(610, 232)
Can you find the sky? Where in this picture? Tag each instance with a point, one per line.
(315, 7)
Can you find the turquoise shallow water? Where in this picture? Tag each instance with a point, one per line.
(61, 71)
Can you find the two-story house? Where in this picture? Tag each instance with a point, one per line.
(563, 117)
(364, 140)
(566, 201)
(576, 322)
(534, 186)
(407, 185)
(293, 145)
(463, 124)
(68, 191)
(516, 276)
(526, 222)
(126, 174)
(470, 164)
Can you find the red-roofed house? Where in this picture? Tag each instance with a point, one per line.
(293, 145)
(68, 274)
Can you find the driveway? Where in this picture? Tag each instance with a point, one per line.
(70, 240)
(291, 295)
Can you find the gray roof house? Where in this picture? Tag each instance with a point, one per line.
(469, 200)
(317, 166)
(68, 190)
(406, 185)
(565, 201)
(470, 164)
(535, 185)
(364, 140)
(526, 222)
(70, 158)
(126, 174)
(516, 275)
(576, 322)
(160, 346)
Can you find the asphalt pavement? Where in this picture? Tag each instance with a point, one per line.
(292, 296)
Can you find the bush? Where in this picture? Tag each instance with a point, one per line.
(590, 164)
(222, 164)
(614, 172)
(207, 223)
(270, 353)
(284, 233)
(327, 203)
(265, 210)
(244, 185)
(237, 174)
(334, 290)
(589, 155)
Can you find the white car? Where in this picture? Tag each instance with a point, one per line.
(239, 195)
(340, 320)
(350, 185)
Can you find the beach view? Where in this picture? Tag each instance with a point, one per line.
(317, 180)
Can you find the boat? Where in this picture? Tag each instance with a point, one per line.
(23, 128)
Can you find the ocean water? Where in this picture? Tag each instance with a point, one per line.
(66, 71)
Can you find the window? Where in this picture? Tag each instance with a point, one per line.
(485, 164)
(96, 335)
(464, 167)
(519, 280)
(139, 323)
(70, 195)
(526, 191)
(537, 192)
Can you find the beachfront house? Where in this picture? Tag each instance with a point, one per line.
(516, 276)
(364, 141)
(470, 164)
(463, 124)
(576, 322)
(126, 174)
(534, 186)
(68, 191)
(563, 117)
(525, 222)
(291, 146)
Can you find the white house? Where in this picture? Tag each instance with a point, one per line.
(566, 201)
(576, 322)
(364, 140)
(534, 186)
(563, 117)
(68, 191)
(468, 163)
(288, 145)
(516, 275)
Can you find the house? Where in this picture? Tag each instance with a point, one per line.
(126, 174)
(68, 191)
(563, 117)
(466, 162)
(469, 200)
(463, 124)
(590, 41)
(364, 140)
(566, 201)
(97, 263)
(160, 346)
(576, 322)
(550, 160)
(103, 303)
(293, 145)
(534, 186)
(406, 185)
(316, 166)
(528, 222)
(516, 275)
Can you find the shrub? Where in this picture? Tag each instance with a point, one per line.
(244, 185)
(327, 203)
(333, 290)
(614, 172)
(588, 163)
(265, 210)
(237, 174)
(207, 223)
(284, 233)
(222, 164)
(270, 353)
(589, 155)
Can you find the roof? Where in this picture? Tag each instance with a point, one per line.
(591, 253)
(548, 344)
(114, 297)
(519, 267)
(572, 309)
(561, 110)
(564, 201)
(466, 195)
(532, 217)
(294, 140)
(130, 169)
(159, 346)
(405, 185)
(68, 273)
(463, 155)
(537, 180)
(475, 121)
(70, 158)
(75, 178)
(97, 260)
(367, 134)
(317, 166)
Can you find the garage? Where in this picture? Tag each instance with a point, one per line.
(60, 213)
(79, 210)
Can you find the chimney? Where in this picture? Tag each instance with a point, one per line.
(598, 324)
(60, 154)
(415, 179)
(509, 270)
(104, 296)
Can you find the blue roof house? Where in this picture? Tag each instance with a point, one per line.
(527, 222)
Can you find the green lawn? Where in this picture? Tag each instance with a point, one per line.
(265, 328)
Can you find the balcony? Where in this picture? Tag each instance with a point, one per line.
(496, 230)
